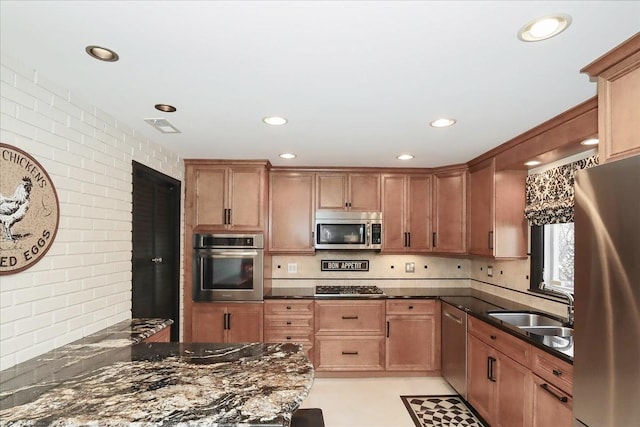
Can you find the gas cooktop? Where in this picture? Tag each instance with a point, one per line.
(348, 291)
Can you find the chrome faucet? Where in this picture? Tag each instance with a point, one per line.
(568, 295)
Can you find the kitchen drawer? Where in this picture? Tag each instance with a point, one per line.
(411, 306)
(278, 335)
(507, 344)
(348, 317)
(556, 371)
(288, 307)
(356, 353)
(288, 322)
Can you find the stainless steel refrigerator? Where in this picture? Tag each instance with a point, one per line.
(606, 390)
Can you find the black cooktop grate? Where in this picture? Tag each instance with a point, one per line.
(347, 290)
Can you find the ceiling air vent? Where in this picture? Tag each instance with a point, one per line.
(162, 125)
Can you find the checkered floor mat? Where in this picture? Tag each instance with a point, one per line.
(440, 411)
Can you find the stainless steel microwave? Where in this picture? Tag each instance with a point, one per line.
(348, 230)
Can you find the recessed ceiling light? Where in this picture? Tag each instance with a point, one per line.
(544, 27)
(288, 156)
(590, 141)
(405, 157)
(442, 123)
(274, 120)
(165, 107)
(102, 53)
(532, 163)
(162, 125)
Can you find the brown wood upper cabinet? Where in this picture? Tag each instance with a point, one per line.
(291, 210)
(497, 226)
(226, 196)
(353, 191)
(618, 74)
(449, 233)
(406, 211)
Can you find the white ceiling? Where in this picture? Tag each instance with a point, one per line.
(359, 81)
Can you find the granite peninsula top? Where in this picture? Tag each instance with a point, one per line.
(111, 383)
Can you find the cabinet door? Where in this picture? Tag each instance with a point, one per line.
(393, 205)
(331, 193)
(551, 406)
(480, 385)
(481, 209)
(246, 198)
(245, 323)
(210, 190)
(513, 393)
(418, 213)
(291, 212)
(207, 322)
(364, 192)
(450, 215)
(411, 343)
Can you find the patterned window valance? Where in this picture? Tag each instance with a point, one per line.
(550, 193)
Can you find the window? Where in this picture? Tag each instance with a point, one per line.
(552, 255)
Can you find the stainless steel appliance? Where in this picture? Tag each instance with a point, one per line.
(348, 230)
(454, 348)
(348, 291)
(606, 387)
(228, 267)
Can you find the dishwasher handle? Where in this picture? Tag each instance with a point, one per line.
(452, 317)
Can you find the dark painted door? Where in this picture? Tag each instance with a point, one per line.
(156, 253)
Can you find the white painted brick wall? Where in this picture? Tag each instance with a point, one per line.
(83, 284)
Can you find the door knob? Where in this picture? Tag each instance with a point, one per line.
(157, 260)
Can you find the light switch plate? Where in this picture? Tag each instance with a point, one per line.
(292, 267)
(489, 271)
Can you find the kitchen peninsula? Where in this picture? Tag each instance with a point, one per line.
(122, 382)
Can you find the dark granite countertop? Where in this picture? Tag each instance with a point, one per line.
(113, 378)
(153, 384)
(474, 302)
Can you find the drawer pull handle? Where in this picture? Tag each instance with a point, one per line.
(557, 372)
(349, 317)
(288, 307)
(410, 307)
(288, 338)
(288, 322)
(493, 337)
(350, 353)
(452, 317)
(546, 388)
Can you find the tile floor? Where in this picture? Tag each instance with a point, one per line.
(370, 402)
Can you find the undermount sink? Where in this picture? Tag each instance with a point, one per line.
(534, 323)
(525, 319)
(557, 331)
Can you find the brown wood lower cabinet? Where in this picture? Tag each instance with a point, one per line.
(163, 335)
(512, 383)
(499, 388)
(349, 335)
(413, 335)
(226, 322)
(290, 321)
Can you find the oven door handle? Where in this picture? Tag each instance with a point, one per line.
(232, 254)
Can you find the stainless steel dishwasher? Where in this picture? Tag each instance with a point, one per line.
(454, 348)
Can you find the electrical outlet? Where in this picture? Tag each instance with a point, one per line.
(410, 267)
(489, 271)
(292, 267)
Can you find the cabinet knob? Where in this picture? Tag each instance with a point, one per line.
(493, 337)
(288, 322)
(557, 372)
(410, 307)
(288, 338)
(288, 307)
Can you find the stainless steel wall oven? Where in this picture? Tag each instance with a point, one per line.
(228, 267)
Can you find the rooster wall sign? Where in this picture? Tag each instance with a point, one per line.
(29, 210)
